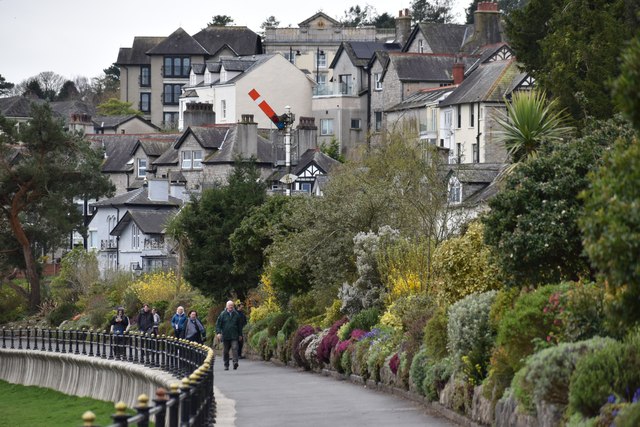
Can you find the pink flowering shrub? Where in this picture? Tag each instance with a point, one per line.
(330, 341)
(394, 363)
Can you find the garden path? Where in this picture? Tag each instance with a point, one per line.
(263, 394)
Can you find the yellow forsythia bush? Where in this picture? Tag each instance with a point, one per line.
(462, 266)
(268, 302)
(157, 286)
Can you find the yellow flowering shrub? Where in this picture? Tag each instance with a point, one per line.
(266, 302)
(403, 267)
(157, 286)
(391, 320)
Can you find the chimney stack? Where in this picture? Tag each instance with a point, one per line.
(307, 134)
(486, 24)
(158, 190)
(199, 114)
(458, 72)
(403, 27)
(247, 137)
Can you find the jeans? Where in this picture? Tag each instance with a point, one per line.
(229, 345)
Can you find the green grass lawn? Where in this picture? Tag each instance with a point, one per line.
(36, 406)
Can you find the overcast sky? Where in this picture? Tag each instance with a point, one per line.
(82, 37)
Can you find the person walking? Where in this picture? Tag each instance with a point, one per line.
(243, 323)
(145, 320)
(156, 321)
(229, 331)
(178, 321)
(119, 325)
(194, 331)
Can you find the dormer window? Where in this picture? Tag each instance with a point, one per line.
(192, 159)
(142, 168)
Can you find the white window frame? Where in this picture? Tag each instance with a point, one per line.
(455, 191)
(326, 127)
(377, 82)
(196, 159)
(223, 108)
(135, 236)
(186, 160)
(142, 168)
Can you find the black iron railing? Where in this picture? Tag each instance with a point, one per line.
(190, 403)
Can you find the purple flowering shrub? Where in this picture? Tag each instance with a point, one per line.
(394, 363)
(341, 362)
(302, 333)
(330, 341)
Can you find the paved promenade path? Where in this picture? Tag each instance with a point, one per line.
(261, 394)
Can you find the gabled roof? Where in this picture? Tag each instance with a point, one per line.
(239, 39)
(228, 151)
(149, 221)
(137, 53)
(155, 146)
(198, 68)
(211, 137)
(441, 38)
(179, 42)
(118, 149)
(422, 98)
(317, 157)
(112, 122)
(66, 108)
(17, 106)
(237, 64)
(137, 198)
(421, 67)
(308, 21)
(214, 67)
(485, 175)
(360, 53)
(490, 82)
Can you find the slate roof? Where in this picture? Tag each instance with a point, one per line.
(227, 152)
(156, 145)
(66, 108)
(198, 68)
(119, 149)
(138, 197)
(240, 39)
(489, 83)
(112, 122)
(361, 52)
(214, 67)
(149, 221)
(442, 38)
(486, 174)
(211, 137)
(178, 42)
(312, 155)
(422, 97)
(137, 53)
(421, 67)
(17, 106)
(233, 64)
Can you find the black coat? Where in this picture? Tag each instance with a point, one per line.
(145, 321)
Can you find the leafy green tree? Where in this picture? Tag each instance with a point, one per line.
(505, 7)
(432, 11)
(357, 16)
(270, 22)
(220, 21)
(208, 223)
(68, 92)
(42, 170)
(5, 86)
(627, 86)
(530, 122)
(384, 21)
(572, 47)
(332, 150)
(115, 107)
(532, 226)
(33, 87)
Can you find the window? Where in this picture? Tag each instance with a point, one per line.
(376, 79)
(459, 122)
(420, 46)
(378, 120)
(476, 153)
(356, 124)
(142, 168)
(135, 236)
(472, 117)
(433, 119)
(93, 239)
(176, 66)
(111, 222)
(304, 186)
(345, 84)
(145, 102)
(145, 75)
(459, 152)
(192, 159)
(172, 94)
(170, 120)
(186, 160)
(223, 109)
(321, 60)
(326, 126)
(455, 190)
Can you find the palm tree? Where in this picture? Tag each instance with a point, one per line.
(531, 121)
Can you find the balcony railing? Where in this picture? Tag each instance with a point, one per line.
(108, 244)
(191, 403)
(334, 89)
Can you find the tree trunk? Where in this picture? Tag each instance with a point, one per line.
(31, 270)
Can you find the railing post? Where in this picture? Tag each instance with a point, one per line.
(120, 417)
(88, 418)
(161, 402)
(128, 338)
(91, 343)
(174, 410)
(143, 409)
(64, 341)
(28, 338)
(185, 407)
(76, 332)
(12, 344)
(111, 344)
(3, 338)
(50, 346)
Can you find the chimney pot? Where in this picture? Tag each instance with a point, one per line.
(458, 73)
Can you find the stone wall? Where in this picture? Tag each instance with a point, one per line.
(82, 376)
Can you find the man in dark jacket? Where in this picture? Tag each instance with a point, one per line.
(229, 331)
(243, 323)
(145, 320)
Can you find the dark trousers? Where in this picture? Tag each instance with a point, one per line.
(240, 345)
(229, 345)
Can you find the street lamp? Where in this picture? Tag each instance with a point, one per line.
(318, 53)
(291, 55)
